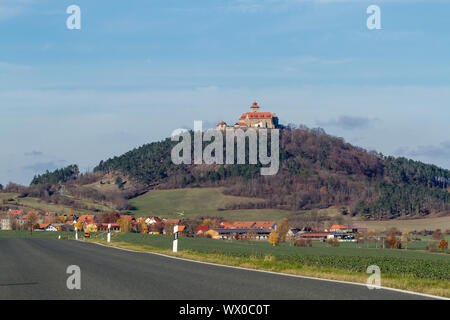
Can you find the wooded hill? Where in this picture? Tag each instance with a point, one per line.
(317, 170)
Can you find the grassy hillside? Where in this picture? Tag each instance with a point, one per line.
(30, 203)
(199, 201)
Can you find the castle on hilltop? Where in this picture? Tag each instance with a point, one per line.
(253, 119)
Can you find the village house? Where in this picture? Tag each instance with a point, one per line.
(314, 235)
(201, 230)
(47, 227)
(338, 228)
(5, 222)
(260, 230)
(152, 220)
(249, 225)
(234, 233)
(88, 218)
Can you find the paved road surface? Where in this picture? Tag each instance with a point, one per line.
(36, 269)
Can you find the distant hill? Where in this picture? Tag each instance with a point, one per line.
(317, 170)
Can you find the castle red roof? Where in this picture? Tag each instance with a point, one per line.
(257, 115)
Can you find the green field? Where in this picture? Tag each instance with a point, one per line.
(399, 262)
(199, 202)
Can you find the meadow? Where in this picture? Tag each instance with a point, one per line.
(348, 257)
(193, 202)
(29, 204)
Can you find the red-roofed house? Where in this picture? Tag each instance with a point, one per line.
(314, 235)
(47, 227)
(15, 212)
(338, 228)
(174, 221)
(237, 224)
(87, 218)
(201, 230)
(265, 225)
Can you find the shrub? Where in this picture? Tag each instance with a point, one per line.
(333, 242)
(443, 244)
(393, 242)
(303, 243)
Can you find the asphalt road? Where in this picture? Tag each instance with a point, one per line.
(36, 269)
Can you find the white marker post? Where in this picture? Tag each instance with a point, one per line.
(109, 232)
(76, 233)
(175, 239)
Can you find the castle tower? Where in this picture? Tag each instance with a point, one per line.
(255, 107)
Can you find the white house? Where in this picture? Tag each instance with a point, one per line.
(5, 223)
(50, 228)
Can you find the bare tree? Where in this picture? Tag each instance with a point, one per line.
(31, 221)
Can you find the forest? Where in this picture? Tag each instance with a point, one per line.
(317, 171)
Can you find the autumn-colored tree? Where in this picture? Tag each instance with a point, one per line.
(443, 244)
(393, 242)
(207, 222)
(79, 225)
(92, 227)
(274, 238)
(405, 238)
(283, 229)
(144, 227)
(124, 224)
(109, 217)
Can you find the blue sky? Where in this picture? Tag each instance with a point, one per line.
(137, 70)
